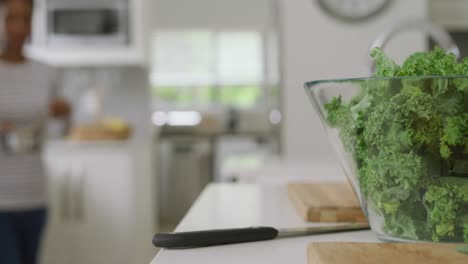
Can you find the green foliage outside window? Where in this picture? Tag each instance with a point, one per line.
(241, 96)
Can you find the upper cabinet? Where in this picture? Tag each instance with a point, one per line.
(69, 33)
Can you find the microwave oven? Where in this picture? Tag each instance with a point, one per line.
(87, 23)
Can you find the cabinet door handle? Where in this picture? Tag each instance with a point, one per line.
(65, 197)
(80, 196)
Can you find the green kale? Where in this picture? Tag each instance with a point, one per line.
(389, 179)
(409, 222)
(442, 212)
(462, 223)
(409, 139)
(463, 249)
(385, 67)
(435, 63)
(455, 134)
(340, 114)
(445, 202)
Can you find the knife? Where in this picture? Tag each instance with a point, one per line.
(218, 237)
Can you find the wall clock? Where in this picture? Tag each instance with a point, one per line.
(353, 10)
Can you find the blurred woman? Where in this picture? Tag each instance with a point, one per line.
(26, 92)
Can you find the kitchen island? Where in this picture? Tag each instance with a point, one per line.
(246, 205)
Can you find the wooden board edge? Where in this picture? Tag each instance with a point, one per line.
(312, 256)
(298, 203)
(325, 214)
(341, 215)
(443, 253)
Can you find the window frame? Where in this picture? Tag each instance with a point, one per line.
(263, 101)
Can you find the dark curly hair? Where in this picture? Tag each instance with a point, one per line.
(31, 2)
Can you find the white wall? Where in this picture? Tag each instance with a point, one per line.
(316, 46)
(224, 14)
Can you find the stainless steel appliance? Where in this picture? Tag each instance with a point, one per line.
(184, 170)
(87, 22)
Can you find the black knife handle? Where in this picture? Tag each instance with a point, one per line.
(213, 237)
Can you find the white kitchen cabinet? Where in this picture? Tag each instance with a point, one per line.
(96, 215)
(60, 241)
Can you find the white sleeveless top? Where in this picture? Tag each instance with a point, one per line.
(25, 91)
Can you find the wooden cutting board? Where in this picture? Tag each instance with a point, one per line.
(326, 202)
(375, 253)
(98, 133)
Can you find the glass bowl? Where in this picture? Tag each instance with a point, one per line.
(403, 145)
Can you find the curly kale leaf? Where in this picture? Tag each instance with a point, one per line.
(409, 221)
(335, 110)
(434, 63)
(455, 134)
(341, 116)
(385, 66)
(405, 121)
(463, 223)
(390, 178)
(414, 65)
(442, 210)
(443, 203)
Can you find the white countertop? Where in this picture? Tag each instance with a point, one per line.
(64, 143)
(246, 205)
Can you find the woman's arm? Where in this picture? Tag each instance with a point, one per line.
(59, 108)
(5, 127)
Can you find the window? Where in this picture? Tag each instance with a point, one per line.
(202, 69)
